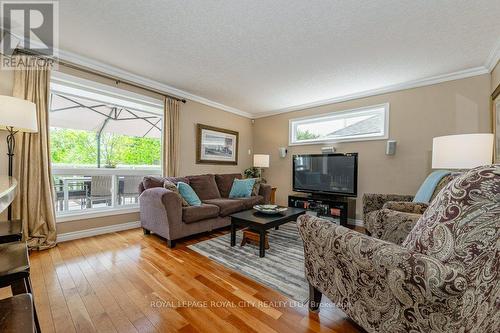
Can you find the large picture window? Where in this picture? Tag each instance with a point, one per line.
(368, 123)
(103, 141)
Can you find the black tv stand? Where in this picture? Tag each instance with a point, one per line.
(335, 208)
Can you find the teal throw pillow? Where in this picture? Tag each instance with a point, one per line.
(188, 194)
(242, 188)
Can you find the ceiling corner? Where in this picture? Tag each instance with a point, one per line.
(493, 58)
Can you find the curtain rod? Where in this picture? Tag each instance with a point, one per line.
(101, 74)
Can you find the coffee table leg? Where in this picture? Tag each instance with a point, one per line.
(233, 234)
(262, 243)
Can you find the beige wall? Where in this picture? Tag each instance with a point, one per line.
(495, 77)
(416, 116)
(193, 113)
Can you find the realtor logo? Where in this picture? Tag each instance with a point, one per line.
(31, 26)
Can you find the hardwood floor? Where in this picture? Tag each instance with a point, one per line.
(128, 282)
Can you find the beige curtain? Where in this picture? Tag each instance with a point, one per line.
(171, 137)
(34, 203)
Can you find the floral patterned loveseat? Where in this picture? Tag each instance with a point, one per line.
(445, 277)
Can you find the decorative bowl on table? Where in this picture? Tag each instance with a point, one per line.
(269, 209)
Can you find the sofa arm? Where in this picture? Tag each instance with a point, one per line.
(265, 191)
(371, 279)
(161, 211)
(372, 201)
(406, 207)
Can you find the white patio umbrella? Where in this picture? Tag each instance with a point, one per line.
(100, 117)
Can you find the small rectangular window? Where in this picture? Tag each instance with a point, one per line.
(368, 123)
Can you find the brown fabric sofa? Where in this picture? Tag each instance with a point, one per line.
(162, 212)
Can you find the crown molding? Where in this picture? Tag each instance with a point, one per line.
(490, 63)
(120, 73)
(493, 58)
(383, 90)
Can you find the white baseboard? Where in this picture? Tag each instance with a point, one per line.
(97, 231)
(131, 225)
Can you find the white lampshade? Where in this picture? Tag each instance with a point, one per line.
(261, 161)
(17, 113)
(463, 151)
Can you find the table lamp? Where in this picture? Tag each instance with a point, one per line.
(260, 161)
(16, 115)
(462, 151)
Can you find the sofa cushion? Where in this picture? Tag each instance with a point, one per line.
(204, 186)
(150, 182)
(188, 194)
(197, 213)
(227, 206)
(242, 188)
(251, 201)
(224, 183)
(167, 184)
(175, 180)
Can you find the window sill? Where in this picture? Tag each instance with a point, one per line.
(96, 214)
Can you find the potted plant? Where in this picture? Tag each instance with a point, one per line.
(253, 172)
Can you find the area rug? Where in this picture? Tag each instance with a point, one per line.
(282, 269)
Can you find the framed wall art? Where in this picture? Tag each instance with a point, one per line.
(216, 145)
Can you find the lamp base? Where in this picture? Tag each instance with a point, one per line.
(11, 145)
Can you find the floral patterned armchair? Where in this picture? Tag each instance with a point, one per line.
(391, 217)
(445, 277)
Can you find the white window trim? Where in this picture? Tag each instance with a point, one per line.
(71, 85)
(96, 213)
(339, 113)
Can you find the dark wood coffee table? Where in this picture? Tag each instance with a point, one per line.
(260, 222)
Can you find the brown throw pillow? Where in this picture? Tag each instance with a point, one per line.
(204, 186)
(256, 186)
(171, 187)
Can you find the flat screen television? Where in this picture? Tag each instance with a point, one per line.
(326, 174)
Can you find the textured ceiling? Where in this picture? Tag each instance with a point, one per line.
(260, 56)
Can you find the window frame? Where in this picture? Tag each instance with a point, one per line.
(65, 84)
(318, 117)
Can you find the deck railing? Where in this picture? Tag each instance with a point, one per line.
(89, 189)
